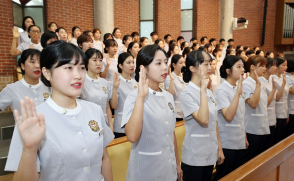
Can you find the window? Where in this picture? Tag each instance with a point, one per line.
(187, 19)
(33, 8)
(146, 17)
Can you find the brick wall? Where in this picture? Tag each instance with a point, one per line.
(126, 16)
(206, 19)
(71, 13)
(168, 18)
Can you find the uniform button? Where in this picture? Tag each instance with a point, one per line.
(166, 122)
(166, 134)
(99, 97)
(212, 131)
(30, 86)
(168, 147)
(73, 117)
(85, 150)
(85, 168)
(79, 132)
(169, 160)
(212, 142)
(36, 98)
(164, 109)
(63, 111)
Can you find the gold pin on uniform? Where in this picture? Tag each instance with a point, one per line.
(94, 125)
(213, 100)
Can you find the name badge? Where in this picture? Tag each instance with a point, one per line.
(101, 133)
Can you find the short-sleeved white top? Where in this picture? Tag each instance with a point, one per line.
(72, 148)
(232, 134)
(24, 46)
(13, 93)
(200, 143)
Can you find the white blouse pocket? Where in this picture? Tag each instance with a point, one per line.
(149, 165)
(200, 144)
(233, 132)
(292, 103)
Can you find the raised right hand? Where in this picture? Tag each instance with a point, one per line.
(143, 83)
(31, 127)
(284, 78)
(203, 82)
(16, 34)
(258, 83)
(239, 87)
(108, 61)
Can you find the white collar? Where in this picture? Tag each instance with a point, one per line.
(250, 79)
(156, 93)
(123, 79)
(177, 75)
(194, 86)
(264, 79)
(31, 86)
(61, 110)
(230, 85)
(92, 80)
(34, 43)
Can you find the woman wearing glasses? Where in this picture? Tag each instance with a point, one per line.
(34, 43)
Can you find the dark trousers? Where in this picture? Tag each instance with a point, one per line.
(280, 130)
(196, 173)
(118, 135)
(256, 146)
(179, 119)
(233, 159)
(270, 139)
(290, 125)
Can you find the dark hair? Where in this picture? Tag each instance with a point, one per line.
(95, 30)
(194, 45)
(134, 34)
(121, 58)
(126, 37)
(245, 48)
(183, 44)
(23, 26)
(47, 36)
(87, 32)
(145, 57)
(157, 41)
(207, 45)
(270, 62)
(166, 36)
(254, 48)
(290, 65)
(254, 60)
(51, 23)
(30, 27)
(58, 29)
(221, 40)
(268, 54)
(84, 38)
(215, 51)
(280, 60)
(238, 47)
(114, 30)
(59, 53)
(239, 53)
(180, 38)
(203, 38)
(228, 63)
(106, 35)
(142, 40)
(228, 52)
(258, 52)
(194, 58)
(131, 46)
(279, 54)
(249, 52)
(186, 51)
(175, 60)
(193, 39)
(110, 43)
(153, 33)
(28, 53)
(73, 29)
(229, 47)
(172, 42)
(202, 48)
(170, 49)
(89, 54)
(212, 40)
(231, 40)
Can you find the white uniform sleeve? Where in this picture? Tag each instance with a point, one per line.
(188, 105)
(247, 91)
(128, 108)
(222, 99)
(107, 133)
(104, 64)
(6, 97)
(290, 81)
(109, 87)
(21, 47)
(167, 82)
(15, 152)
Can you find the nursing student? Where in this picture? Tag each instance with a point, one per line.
(271, 87)
(281, 99)
(76, 32)
(117, 37)
(126, 67)
(290, 82)
(34, 34)
(149, 121)
(110, 60)
(202, 147)
(134, 49)
(230, 115)
(62, 138)
(126, 41)
(177, 63)
(97, 89)
(256, 120)
(30, 85)
(97, 43)
(85, 42)
(26, 23)
(61, 33)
